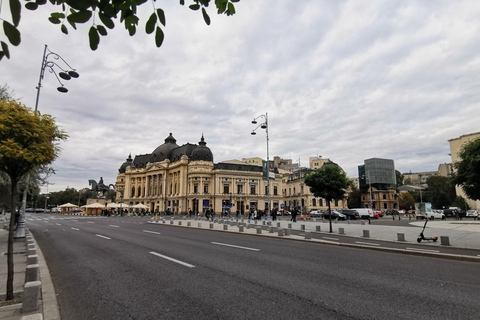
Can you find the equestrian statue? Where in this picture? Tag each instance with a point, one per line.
(100, 187)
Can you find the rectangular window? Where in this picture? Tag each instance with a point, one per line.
(205, 188)
(239, 188)
(195, 188)
(275, 191)
(266, 190)
(252, 189)
(226, 188)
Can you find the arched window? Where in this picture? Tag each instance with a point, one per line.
(139, 191)
(133, 192)
(314, 202)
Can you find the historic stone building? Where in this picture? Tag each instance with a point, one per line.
(182, 178)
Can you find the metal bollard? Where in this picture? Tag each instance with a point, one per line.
(317, 228)
(225, 227)
(179, 223)
(308, 235)
(259, 230)
(341, 230)
(366, 233)
(270, 229)
(289, 226)
(400, 237)
(211, 225)
(287, 232)
(302, 227)
(444, 240)
(189, 224)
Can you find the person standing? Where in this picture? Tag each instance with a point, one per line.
(294, 215)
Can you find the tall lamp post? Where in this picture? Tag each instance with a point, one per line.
(264, 125)
(49, 62)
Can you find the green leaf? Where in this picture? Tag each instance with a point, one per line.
(64, 29)
(15, 10)
(231, 9)
(31, 6)
(161, 16)
(81, 16)
(150, 25)
(182, 2)
(131, 30)
(40, 2)
(102, 30)
(194, 6)
(54, 20)
(12, 33)
(72, 23)
(205, 16)
(58, 15)
(235, 0)
(222, 6)
(80, 4)
(5, 52)
(159, 37)
(94, 38)
(107, 21)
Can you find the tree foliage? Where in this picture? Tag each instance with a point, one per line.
(103, 14)
(328, 182)
(406, 201)
(28, 140)
(440, 191)
(354, 197)
(467, 174)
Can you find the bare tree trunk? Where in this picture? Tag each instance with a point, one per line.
(10, 270)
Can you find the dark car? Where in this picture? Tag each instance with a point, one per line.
(392, 212)
(335, 215)
(351, 214)
(449, 212)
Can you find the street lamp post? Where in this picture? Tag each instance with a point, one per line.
(66, 74)
(264, 125)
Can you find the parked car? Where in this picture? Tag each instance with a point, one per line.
(449, 212)
(315, 213)
(391, 212)
(380, 213)
(351, 214)
(472, 213)
(435, 215)
(364, 213)
(335, 215)
(284, 213)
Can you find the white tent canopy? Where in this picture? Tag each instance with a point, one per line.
(68, 205)
(94, 205)
(140, 206)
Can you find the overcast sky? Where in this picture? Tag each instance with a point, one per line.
(345, 80)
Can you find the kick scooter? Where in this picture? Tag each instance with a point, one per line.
(421, 236)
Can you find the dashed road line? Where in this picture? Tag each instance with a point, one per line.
(58, 224)
(173, 260)
(99, 235)
(328, 238)
(233, 246)
(114, 226)
(154, 232)
(75, 229)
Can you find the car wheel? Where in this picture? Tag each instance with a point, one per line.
(443, 218)
(432, 218)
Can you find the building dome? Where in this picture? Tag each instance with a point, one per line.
(126, 164)
(202, 152)
(163, 151)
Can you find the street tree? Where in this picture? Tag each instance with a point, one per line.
(354, 197)
(406, 201)
(5, 93)
(103, 15)
(467, 174)
(328, 182)
(440, 191)
(28, 140)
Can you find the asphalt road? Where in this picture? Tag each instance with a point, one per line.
(124, 268)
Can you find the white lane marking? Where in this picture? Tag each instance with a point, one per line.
(416, 249)
(148, 231)
(75, 229)
(99, 235)
(112, 225)
(233, 246)
(58, 224)
(330, 238)
(90, 222)
(368, 243)
(173, 260)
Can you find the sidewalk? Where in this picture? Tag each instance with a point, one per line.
(47, 307)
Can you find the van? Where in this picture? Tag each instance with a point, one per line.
(364, 213)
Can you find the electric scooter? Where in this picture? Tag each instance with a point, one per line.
(422, 237)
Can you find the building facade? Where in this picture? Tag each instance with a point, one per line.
(455, 148)
(182, 178)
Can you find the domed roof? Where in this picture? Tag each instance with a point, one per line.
(202, 152)
(163, 151)
(128, 163)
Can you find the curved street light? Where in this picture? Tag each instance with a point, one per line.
(264, 125)
(65, 73)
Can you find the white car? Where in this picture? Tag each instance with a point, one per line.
(472, 213)
(435, 215)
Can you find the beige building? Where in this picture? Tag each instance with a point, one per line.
(382, 199)
(317, 162)
(445, 169)
(418, 178)
(455, 148)
(182, 178)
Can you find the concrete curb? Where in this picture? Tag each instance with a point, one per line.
(351, 245)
